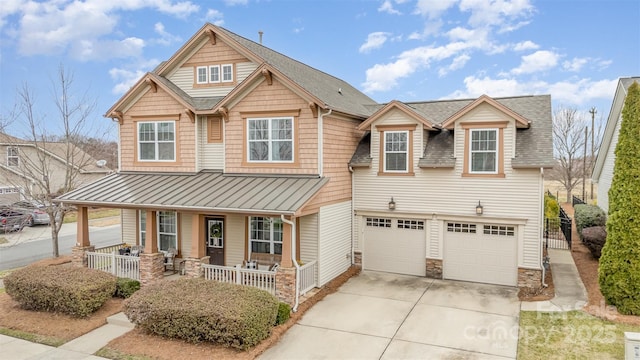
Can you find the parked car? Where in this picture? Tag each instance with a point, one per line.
(13, 219)
(38, 214)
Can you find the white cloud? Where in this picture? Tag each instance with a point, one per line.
(236, 2)
(526, 45)
(433, 9)
(497, 12)
(165, 37)
(85, 50)
(125, 78)
(387, 7)
(81, 27)
(374, 41)
(575, 64)
(10, 7)
(570, 91)
(538, 61)
(215, 17)
(458, 63)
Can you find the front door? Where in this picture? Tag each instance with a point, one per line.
(215, 240)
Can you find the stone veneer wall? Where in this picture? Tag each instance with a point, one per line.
(79, 255)
(530, 278)
(193, 266)
(151, 268)
(357, 259)
(434, 268)
(286, 285)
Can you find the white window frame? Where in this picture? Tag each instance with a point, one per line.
(223, 73)
(13, 153)
(270, 139)
(206, 74)
(495, 152)
(272, 234)
(405, 151)
(211, 73)
(161, 229)
(155, 141)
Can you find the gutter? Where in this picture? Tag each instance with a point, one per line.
(544, 270)
(293, 258)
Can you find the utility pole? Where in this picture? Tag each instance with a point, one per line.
(593, 112)
(584, 166)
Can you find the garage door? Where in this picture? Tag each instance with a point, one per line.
(481, 253)
(394, 245)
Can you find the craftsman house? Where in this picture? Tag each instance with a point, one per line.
(235, 156)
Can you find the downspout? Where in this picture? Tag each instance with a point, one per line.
(353, 185)
(544, 270)
(321, 141)
(293, 258)
(198, 142)
(119, 146)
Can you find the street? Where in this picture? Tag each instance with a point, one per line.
(32, 244)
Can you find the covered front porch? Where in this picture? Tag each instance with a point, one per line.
(255, 242)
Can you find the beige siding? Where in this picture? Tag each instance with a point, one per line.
(210, 155)
(129, 226)
(444, 193)
(235, 239)
(185, 234)
(272, 98)
(396, 118)
(606, 176)
(334, 243)
(158, 104)
(309, 238)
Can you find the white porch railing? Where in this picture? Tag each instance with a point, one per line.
(307, 276)
(108, 249)
(119, 265)
(261, 279)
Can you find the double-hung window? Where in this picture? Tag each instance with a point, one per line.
(270, 139)
(265, 235)
(396, 151)
(201, 75)
(13, 156)
(167, 229)
(227, 73)
(156, 141)
(484, 151)
(214, 73)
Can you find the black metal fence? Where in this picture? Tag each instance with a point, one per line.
(557, 231)
(576, 200)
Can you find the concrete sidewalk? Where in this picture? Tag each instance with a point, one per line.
(570, 291)
(82, 347)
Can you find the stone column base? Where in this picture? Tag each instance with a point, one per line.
(79, 255)
(529, 278)
(286, 285)
(357, 259)
(193, 266)
(434, 268)
(151, 268)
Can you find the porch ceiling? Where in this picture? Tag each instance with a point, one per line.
(203, 191)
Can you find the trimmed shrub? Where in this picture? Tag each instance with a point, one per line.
(71, 290)
(199, 310)
(126, 287)
(594, 238)
(284, 313)
(588, 216)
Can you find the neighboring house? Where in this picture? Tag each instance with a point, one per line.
(27, 163)
(603, 168)
(230, 152)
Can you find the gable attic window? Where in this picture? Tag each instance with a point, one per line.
(214, 74)
(270, 139)
(156, 141)
(201, 75)
(396, 149)
(484, 149)
(13, 157)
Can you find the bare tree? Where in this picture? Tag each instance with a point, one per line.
(46, 168)
(568, 143)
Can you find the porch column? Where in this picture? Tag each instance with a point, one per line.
(192, 264)
(151, 261)
(78, 252)
(287, 235)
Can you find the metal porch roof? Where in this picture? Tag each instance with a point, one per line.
(203, 191)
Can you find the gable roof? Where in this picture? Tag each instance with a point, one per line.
(534, 145)
(330, 91)
(484, 99)
(612, 122)
(406, 109)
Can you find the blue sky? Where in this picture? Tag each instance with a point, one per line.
(390, 49)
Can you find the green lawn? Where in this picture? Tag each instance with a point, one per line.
(570, 335)
(93, 214)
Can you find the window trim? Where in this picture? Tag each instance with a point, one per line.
(387, 152)
(272, 241)
(12, 156)
(382, 129)
(156, 142)
(270, 140)
(222, 73)
(500, 148)
(142, 228)
(472, 152)
(210, 74)
(206, 74)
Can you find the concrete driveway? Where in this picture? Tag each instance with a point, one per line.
(387, 316)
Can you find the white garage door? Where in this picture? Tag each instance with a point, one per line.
(484, 253)
(394, 245)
